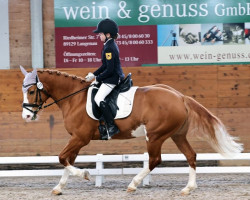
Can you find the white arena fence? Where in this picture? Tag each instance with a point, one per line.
(99, 172)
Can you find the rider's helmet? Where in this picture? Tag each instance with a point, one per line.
(107, 26)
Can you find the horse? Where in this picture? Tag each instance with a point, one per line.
(159, 112)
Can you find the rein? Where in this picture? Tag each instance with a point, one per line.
(38, 93)
(56, 101)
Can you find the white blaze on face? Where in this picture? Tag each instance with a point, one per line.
(26, 114)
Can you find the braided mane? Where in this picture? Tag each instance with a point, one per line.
(58, 73)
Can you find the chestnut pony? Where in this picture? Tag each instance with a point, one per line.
(159, 112)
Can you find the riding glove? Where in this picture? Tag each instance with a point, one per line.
(89, 77)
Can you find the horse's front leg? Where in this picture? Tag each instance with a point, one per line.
(57, 190)
(154, 151)
(67, 158)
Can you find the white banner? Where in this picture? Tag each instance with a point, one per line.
(204, 54)
(204, 43)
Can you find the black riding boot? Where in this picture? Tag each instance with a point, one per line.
(112, 128)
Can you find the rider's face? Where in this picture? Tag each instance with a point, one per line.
(102, 37)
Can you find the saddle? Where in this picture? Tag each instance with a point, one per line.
(111, 99)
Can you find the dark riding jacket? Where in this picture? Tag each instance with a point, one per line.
(111, 70)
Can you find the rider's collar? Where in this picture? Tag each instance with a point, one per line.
(107, 41)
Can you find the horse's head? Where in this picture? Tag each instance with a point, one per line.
(34, 95)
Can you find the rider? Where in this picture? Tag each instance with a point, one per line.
(110, 73)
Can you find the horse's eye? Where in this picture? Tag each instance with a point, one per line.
(31, 92)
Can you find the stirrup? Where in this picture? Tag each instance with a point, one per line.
(105, 134)
(112, 130)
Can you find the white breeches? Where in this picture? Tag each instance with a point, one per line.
(103, 91)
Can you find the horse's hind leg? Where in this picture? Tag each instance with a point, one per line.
(67, 158)
(186, 149)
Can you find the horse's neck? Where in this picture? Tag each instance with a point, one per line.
(60, 86)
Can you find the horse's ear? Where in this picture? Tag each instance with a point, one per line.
(34, 74)
(34, 71)
(23, 70)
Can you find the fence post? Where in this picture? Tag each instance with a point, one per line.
(99, 167)
(147, 179)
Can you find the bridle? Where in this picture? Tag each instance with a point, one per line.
(39, 106)
(40, 89)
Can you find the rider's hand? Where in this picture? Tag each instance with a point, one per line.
(89, 77)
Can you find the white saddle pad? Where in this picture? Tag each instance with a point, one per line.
(124, 102)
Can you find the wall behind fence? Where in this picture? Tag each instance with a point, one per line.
(225, 90)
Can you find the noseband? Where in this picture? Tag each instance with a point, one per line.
(40, 89)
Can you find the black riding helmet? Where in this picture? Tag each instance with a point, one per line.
(107, 26)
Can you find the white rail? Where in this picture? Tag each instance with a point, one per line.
(100, 171)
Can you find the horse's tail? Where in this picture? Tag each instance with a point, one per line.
(203, 123)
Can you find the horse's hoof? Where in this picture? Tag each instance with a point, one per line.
(86, 175)
(184, 193)
(130, 190)
(56, 192)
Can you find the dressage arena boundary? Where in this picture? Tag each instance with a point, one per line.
(100, 171)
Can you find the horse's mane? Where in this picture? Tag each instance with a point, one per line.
(58, 73)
